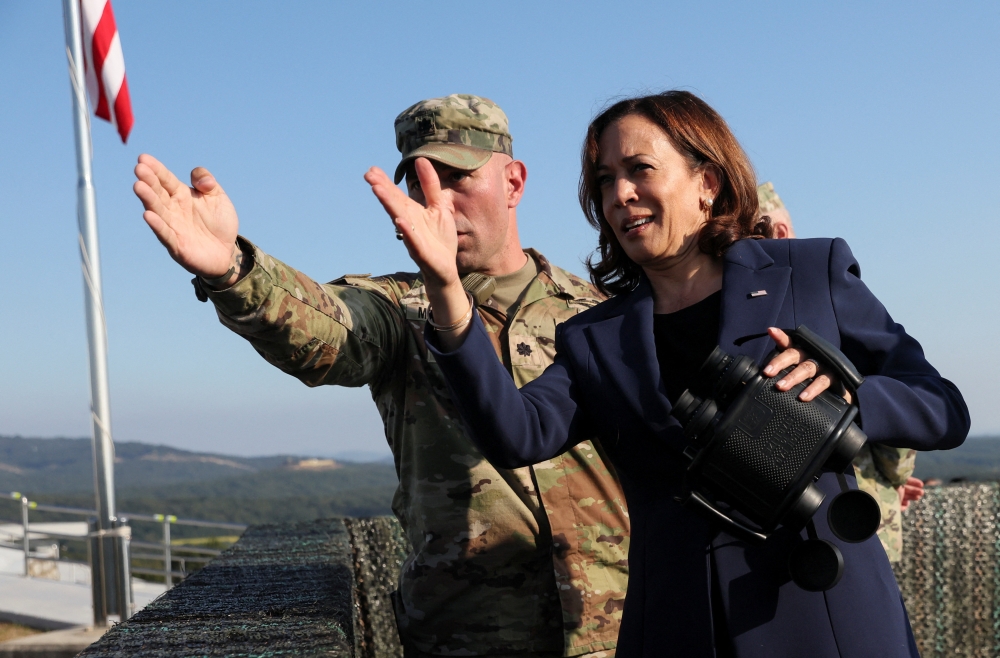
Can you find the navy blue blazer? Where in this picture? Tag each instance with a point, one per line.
(606, 381)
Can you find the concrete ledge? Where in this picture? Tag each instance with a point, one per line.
(324, 588)
(281, 589)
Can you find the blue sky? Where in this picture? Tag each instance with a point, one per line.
(876, 121)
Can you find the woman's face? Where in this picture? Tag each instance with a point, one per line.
(651, 197)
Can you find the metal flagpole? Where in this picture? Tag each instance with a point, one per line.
(104, 450)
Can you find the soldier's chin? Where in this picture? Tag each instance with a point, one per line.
(467, 262)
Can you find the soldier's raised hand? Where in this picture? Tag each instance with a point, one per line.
(197, 224)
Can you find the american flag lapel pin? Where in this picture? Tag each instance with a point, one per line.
(757, 293)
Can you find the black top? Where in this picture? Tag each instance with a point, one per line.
(684, 339)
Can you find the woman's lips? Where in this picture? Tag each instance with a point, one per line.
(635, 222)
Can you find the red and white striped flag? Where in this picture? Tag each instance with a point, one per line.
(105, 64)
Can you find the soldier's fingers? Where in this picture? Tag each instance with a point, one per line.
(144, 173)
(163, 233)
(203, 181)
(149, 198)
(166, 177)
(429, 181)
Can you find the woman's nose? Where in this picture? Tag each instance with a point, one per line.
(624, 191)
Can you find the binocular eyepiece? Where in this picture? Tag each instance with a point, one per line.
(760, 451)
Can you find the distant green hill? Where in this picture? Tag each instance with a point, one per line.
(976, 459)
(67, 465)
(158, 479)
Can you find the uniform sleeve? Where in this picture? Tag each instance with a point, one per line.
(512, 427)
(895, 464)
(904, 402)
(318, 333)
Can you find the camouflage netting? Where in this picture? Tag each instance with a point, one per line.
(379, 550)
(950, 572)
(280, 590)
(323, 588)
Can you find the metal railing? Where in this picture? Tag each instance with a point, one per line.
(163, 551)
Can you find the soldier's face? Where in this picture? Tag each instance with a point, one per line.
(482, 201)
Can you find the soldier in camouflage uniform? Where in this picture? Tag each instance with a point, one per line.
(881, 471)
(529, 561)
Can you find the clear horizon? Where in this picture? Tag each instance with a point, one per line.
(875, 122)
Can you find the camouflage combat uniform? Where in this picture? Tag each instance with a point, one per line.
(503, 561)
(880, 469)
(767, 199)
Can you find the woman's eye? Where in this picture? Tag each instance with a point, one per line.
(641, 166)
(604, 180)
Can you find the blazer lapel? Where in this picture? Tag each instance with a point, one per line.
(753, 298)
(624, 346)
(626, 350)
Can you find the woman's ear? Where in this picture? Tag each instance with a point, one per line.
(711, 180)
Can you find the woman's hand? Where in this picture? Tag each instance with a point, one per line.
(428, 232)
(806, 368)
(432, 241)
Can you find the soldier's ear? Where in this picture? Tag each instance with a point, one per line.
(516, 175)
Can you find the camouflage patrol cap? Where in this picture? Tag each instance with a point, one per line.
(767, 198)
(461, 131)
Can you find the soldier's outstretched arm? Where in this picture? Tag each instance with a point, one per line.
(344, 333)
(197, 224)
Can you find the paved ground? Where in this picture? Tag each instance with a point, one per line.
(55, 644)
(53, 604)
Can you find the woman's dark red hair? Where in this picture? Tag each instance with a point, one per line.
(702, 136)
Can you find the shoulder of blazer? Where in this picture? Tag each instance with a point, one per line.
(760, 254)
(606, 309)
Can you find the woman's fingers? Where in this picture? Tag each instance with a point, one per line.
(789, 357)
(817, 386)
(779, 337)
(802, 372)
(396, 204)
(805, 368)
(786, 356)
(429, 181)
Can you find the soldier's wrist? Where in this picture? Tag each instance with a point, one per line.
(241, 264)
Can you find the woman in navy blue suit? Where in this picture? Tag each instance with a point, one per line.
(673, 196)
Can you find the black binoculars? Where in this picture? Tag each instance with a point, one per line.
(758, 451)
